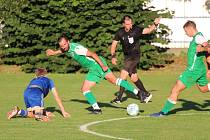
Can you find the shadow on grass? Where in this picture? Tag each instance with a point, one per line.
(53, 109)
(190, 105)
(129, 94)
(101, 105)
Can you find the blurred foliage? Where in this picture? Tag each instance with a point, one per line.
(33, 26)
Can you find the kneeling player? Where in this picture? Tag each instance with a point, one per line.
(34, 94)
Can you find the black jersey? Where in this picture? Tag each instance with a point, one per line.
(130, 41)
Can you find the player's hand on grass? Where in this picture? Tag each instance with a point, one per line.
(65, 114)
(114, 61)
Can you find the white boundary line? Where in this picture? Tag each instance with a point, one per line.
(84, 127)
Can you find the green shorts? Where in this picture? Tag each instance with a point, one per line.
(190, 78)
(96, 74)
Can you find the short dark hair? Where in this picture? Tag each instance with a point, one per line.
(190, 23)
(125, 17)
(64, 36)
(40, 72)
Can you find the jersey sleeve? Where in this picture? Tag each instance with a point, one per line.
(199, 39)
(81, 50)
(51, 85)
(117, 36)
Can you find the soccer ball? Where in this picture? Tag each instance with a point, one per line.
(133, 109)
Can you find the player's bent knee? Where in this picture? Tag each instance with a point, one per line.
(84, 89)
(204, 89)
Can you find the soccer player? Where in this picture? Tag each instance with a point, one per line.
(96, 65)
(34, 94)
(195, 72)
(129, 36)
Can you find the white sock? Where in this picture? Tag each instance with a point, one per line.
(208, 86)
(135, 91)
(19, 112)
(95, 106)
(173, 102)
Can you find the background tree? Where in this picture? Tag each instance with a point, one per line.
(36, 24)
(207, 4)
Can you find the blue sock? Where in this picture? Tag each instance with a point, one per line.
(23, 113)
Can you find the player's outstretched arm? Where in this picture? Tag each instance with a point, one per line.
(60, 104)
(152, 27)
(51, 52)
(113, 48)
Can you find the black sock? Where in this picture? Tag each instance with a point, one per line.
(140, 85)
(120, 94)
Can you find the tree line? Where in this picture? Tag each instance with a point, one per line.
(32, 26)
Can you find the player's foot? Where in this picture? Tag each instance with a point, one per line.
(96, 111)
(13, 113)
(141, 96)
(116, 101)
(147, 97)
(159, 114)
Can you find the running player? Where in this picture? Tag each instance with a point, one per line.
(129, 36)
(195, 72)
(97, 67)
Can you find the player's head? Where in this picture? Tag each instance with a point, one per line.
(40, 72)
(127, 22)
(63, 42)
(190, 28)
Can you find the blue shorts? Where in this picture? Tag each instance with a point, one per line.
(33, 97)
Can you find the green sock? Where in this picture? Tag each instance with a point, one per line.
(90, 97)
(168, 106)
(126, 85)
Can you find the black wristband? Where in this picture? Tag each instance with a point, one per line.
(114, 55)
(208, 66)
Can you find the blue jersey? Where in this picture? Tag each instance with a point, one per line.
(43, 83)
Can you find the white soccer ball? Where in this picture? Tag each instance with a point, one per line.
(133, 109)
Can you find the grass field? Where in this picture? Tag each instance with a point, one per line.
(190, 119)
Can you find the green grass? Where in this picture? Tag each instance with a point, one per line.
(173, 127)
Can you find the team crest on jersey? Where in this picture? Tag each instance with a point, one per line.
(130, 40)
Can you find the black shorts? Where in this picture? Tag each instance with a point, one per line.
(207, 54)
(130, 65)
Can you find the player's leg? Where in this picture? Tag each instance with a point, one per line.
(119, 82)
(176, 90)
(208, 65)
(205, 88)
(146, 95)
(133, 74)
(128, 66)
(186, 80)
(13, 113)
(118, 99)
(19, 112)
(39, 113)
(87, 85)
(172, 100)
(202, 83)
(35, 104)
